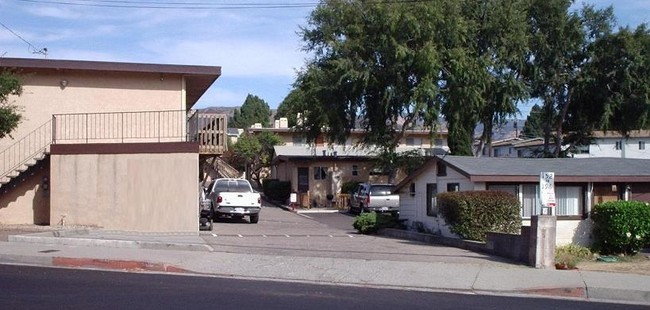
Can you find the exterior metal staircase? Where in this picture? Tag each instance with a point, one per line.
(207, 129)
(25, 153)
(215, 167)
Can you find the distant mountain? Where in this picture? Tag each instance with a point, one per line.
(221, 110)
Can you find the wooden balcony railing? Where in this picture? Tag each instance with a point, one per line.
(208, 129)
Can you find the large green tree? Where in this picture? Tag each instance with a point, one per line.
(254, 152)
(534, 125)
(375, 67)
(559, 46)
(613, 89)
(253, 110)
(390, 66)
(10, 117)
(292, 106)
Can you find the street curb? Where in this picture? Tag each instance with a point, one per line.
(127, 265)
(110, 243)
(571, 292)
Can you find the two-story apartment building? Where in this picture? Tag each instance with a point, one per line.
(107, 144)
(612, 144)
(318, 170)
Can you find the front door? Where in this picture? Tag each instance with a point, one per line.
(303, 179)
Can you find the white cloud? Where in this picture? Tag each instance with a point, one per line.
(52, 11)
(237, 57)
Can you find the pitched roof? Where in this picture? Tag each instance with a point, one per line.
(504, 169)
(613, 134)
(198, 78)
(484, 169)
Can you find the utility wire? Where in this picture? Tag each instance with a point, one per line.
(195, 5)
(33, 49)
(175, 5)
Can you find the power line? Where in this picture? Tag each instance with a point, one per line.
(196, 5)
(174, 5)
(33, 49)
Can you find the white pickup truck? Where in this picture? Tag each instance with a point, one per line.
(374, 197)
(232, 197)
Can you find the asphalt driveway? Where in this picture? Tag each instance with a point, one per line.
(285, 233)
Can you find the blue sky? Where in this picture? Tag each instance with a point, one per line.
(258, 49)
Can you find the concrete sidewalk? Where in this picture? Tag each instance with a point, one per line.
(191, 254)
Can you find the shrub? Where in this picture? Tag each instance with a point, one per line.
(349, 186)
(568, 256)
(277, 190)
(621, 227)
(472, 214)
(367, 223)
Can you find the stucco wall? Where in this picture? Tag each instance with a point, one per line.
(28, 202)
(133, 192)
(92, 92)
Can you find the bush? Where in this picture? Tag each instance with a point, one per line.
(349, 186)
(277, 190)
(621, 227)
(472, 214)
(568, 256)
(367, 223)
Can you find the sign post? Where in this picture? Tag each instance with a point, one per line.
(547, 192)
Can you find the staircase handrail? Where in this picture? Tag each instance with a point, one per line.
(229, 170)
(26, 149)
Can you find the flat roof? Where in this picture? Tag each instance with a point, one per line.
(198, 78)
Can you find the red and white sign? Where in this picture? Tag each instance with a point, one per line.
(547, 189)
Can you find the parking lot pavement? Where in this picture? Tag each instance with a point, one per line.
(280, 232)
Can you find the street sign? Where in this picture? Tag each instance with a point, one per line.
(547, 189)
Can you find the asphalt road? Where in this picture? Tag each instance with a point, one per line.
(284, 233)
(24, 287)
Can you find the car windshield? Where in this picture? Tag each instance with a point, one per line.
(232, 186)
(381, 190)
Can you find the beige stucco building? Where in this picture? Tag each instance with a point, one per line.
(319, 169)
(107, 144)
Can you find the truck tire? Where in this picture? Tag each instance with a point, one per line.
(254, 218)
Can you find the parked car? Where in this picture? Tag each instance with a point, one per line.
(369, 197)
(230, 197)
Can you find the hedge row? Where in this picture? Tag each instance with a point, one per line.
(472, 214)
(621, 226)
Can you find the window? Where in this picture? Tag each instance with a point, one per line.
(432, 207)
(413, 141)
(355, 170)
(568, 199)
(641, 145)
(619, 145)
(299, 141)
(453, 187)
(320, 173)
(437, 142)
(530, 204)
(441, 169)
(497, 152)
(412, 189)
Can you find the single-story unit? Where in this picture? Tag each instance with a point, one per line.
(579, 185)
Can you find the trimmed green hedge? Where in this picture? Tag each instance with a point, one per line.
(472, 214)
(621, 227)
(276, 190)
(370, 222)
